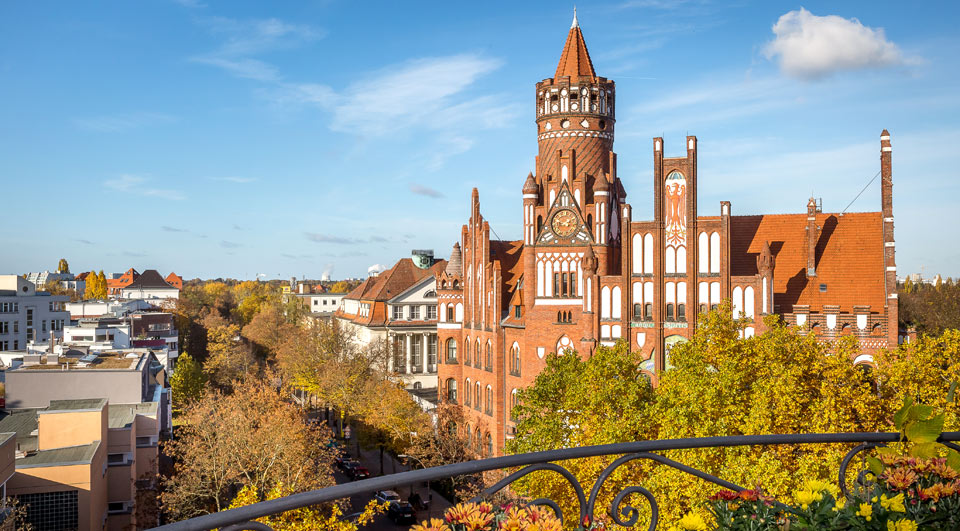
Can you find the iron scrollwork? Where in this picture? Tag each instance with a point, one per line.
(244, 518)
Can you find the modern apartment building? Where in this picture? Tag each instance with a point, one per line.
(28, 315)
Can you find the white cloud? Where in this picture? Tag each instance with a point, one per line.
(812, 47)
(123, 122)
(134, 184)
(245, 39)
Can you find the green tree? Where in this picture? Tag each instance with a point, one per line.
(187, 382)
(63, 266)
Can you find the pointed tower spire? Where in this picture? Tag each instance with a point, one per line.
(575, 60)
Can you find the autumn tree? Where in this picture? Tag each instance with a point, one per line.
(325, 517)
(268, 329)
(250, 438)
(229, 359)
(101, 293)
(63, 266)
(90, 286)
(446, 444)
(341, 286)
(54, 287)
(187, 382)
(780, 382)
(930, 309)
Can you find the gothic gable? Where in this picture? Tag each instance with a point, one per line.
(564, 224)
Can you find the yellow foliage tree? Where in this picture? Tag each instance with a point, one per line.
(780, 382)
(314, 518)
(101, 293)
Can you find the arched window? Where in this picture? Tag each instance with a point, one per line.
(451, 350)
(515, 359)
(488, 442)
(513, 404)
(670, 316)
(648, 311)
(877, 330)
(466, 392)
(845, 330)
(637, 311)
(489, 357)
(681, 312)
(559, 317)
(479, 394)
(451, 390)
(450, 313)
(815, 329)
(479, 444)
(417, 385)
(489, 408)
(469, 437)
(466, 351)
(476, 359)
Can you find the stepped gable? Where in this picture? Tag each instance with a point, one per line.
(849, 258)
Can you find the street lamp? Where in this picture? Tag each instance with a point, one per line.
(429, 492)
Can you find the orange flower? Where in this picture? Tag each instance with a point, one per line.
(901, 478)
(937, 491)
(435, 524)
(944, 471)
(461, 513)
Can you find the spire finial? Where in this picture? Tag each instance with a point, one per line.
(575, 23)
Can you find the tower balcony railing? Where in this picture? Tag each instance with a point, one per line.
(243, 518)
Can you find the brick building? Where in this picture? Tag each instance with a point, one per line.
(586, 273)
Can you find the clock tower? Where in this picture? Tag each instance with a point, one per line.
(573, 204)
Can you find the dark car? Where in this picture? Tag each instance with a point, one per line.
(358, 472)
(342, 460)
(401, 512)
(348, 466)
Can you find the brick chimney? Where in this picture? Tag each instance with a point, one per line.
(889, 249)
(812, 237)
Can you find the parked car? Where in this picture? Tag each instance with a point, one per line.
(348, 466)
(401, 512)
(358, 472)
(387, 496)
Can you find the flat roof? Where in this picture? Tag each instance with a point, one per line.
(77, 404)
(121, 416)
(104, 361)
(68, 455)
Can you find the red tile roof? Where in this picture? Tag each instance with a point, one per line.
(575, 60)
(849, 258)
(377, 290)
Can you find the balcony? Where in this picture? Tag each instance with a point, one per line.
(523, 464)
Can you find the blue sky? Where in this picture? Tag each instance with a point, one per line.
(235, 138)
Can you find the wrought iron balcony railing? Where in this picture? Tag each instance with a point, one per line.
(243, 518)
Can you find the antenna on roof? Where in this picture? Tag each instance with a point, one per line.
(861, 192)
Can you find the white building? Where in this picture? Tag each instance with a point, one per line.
(321, 304)
(399, 307)
(150, 285)
(28, 315)
(105, 308)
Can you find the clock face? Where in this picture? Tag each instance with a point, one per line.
(564, 223)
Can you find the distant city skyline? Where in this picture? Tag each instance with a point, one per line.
(229, 139)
